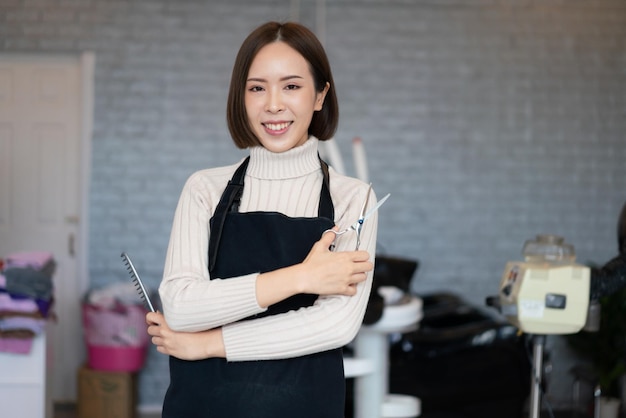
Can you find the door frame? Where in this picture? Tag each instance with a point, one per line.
(88, 65)
(86, 61)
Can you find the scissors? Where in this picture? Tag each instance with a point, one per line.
(358, 224)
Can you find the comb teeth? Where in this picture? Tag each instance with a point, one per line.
(138, 288)
(137, 281)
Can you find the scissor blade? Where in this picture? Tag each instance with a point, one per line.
(369, 213)
(356, 226)
(375, 208)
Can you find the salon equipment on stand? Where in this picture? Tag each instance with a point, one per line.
(547, 293)
(534, 294)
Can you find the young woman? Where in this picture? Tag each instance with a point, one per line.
(257, 306)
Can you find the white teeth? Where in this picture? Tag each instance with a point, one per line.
(277, 126)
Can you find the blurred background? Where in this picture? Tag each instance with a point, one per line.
(488, 121)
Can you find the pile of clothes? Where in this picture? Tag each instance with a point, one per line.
(26, 298)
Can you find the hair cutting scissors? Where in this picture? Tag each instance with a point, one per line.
(357, 226)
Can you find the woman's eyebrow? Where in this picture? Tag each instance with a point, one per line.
(286, 78)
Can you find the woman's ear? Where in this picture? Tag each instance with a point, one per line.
(321, 95)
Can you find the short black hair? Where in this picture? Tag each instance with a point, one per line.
(324, 122)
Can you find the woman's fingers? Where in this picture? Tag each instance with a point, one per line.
(160, 334)
(327, 240)
(154, 318)
(361, 266)
(156, 329)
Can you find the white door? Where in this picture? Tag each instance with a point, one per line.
(45, 124)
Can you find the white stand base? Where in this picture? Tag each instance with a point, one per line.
(372, 399)
(401, 406)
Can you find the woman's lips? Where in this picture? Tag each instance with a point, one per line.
(276, 128)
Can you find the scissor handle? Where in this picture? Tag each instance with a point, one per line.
(337, 233)
(343, 231)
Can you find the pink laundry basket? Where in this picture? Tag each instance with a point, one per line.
(115, 359)
(116, 337)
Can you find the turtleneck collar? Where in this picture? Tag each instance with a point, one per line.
(293, 163)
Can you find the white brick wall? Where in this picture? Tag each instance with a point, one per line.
(488, 121)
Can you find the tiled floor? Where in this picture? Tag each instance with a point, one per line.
(69, 411)
(544, 414)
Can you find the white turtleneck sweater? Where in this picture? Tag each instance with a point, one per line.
(289, 183)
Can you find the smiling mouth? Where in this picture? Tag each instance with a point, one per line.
(277, 127)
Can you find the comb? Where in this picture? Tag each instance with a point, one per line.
(138, 283)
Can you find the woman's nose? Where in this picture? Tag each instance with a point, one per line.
(274, 102)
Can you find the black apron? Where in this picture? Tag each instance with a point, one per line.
(302, 387)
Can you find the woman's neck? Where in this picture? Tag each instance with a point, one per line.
(296, 162)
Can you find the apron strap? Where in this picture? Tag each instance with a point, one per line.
(231, 198)
(326, 208)
(229, 201)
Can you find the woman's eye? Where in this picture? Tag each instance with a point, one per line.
(292, 87)
(255, 89)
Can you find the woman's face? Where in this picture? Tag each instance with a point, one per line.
(280, 97)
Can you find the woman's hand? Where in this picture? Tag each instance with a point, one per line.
(184, 345)
(325, 272)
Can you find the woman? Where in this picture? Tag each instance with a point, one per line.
(257, 306)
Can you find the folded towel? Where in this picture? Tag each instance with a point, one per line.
(28, 282)
(34, 259)
(17, 305)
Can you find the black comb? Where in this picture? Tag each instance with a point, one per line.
(138, 283)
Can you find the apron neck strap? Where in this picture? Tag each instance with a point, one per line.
(229, 201)
(234, 190)
(326, 208)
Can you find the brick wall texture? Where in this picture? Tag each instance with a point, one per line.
(489, 121)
